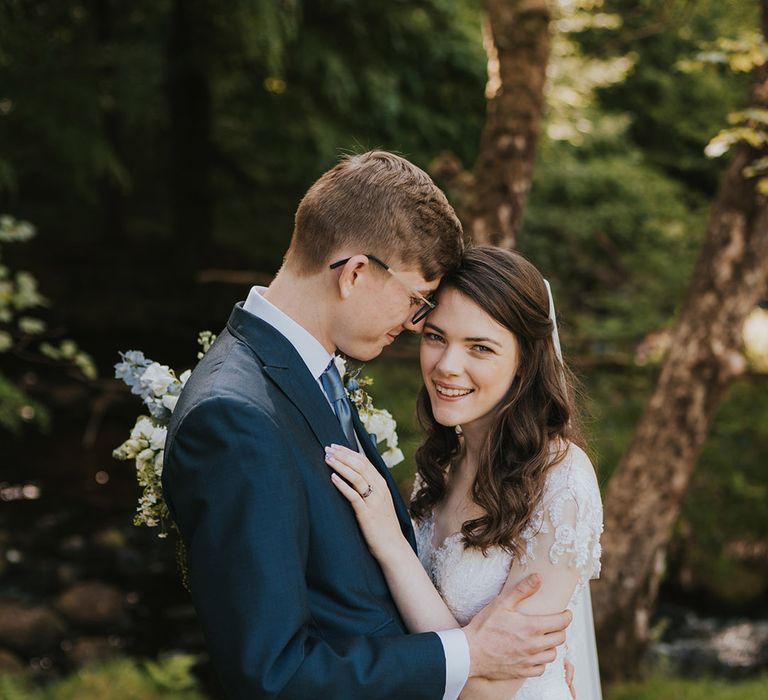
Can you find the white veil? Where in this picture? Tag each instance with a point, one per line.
(580, 637)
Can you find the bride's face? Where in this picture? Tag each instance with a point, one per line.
(468, 361)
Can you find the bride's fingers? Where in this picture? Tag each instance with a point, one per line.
(343, 452)
(357, 480)
(347, 491)
(354, 460)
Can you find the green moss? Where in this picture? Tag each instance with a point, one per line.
(663, 688)
(121, 679)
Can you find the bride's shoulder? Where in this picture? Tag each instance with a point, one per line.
(573, 470)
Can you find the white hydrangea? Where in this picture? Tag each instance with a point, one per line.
(158, 378)
(170, 402)
(379, 422)
(143, 427)
(392, 457)
(157, 437)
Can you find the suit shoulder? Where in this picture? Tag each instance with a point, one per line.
(230, 371)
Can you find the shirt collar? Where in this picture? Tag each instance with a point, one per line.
(310, 349)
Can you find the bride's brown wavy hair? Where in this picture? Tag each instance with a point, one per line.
(534, 421)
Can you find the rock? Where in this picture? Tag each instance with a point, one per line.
(10, 663)
(92, 603)
(87, 650)
(67, 574)
(29, 629)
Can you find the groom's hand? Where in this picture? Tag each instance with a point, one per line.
(506, 644)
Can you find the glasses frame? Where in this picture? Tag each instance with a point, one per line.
(427, 305)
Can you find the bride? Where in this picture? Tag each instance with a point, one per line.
(503, 486)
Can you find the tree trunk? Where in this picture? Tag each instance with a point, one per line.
(645, 494)
(517, 37)
(190, 103)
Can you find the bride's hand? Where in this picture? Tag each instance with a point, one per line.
(367, 491)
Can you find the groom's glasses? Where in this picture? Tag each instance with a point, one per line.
(427, 303)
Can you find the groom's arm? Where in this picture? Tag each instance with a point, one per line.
(240, 504)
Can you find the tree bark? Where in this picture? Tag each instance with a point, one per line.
(492, 199)
(644, 496)
(190, 103)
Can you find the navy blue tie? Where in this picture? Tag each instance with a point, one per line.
(334, 389)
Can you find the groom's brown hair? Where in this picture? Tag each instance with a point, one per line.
(377, 203)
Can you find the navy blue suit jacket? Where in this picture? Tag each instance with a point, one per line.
(291, 602)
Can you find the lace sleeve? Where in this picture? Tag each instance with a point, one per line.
(567, 527)
(418, 482)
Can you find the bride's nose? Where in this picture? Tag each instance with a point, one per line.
(449, 364)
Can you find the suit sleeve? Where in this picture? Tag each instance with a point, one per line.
(235, 492)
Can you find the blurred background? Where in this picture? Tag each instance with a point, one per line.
(152, 155)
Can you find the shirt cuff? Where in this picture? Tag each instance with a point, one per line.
(456, 649)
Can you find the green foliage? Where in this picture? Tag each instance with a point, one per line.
(20, 332)
(749, 126)
(674, 111)
(121, 679)
(292, 86)
(664, 688)
(353, 78)
(16, 407)
(616, 237)
(173, 673)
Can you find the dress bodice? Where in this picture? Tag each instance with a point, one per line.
(562, 540)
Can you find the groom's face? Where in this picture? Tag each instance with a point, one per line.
(379, 307)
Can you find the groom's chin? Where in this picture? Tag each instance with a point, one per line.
(365, 355)
(364, 352)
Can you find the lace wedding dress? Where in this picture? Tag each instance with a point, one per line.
(561, 541)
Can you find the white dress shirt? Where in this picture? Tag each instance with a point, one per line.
(316, 358)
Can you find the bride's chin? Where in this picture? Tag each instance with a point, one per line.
(445, 423)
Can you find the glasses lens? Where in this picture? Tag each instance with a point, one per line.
(423, 312)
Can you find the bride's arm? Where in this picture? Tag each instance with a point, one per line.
(566, 550)
(419, 603)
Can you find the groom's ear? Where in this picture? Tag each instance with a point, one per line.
(349, 274)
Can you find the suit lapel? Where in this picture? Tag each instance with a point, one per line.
(375, 458)
(284, 366)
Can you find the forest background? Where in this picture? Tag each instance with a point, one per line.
(160, 150)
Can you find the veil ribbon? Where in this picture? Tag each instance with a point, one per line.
(580, 637)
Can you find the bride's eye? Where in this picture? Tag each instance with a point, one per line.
(433, 337)
(482, 348)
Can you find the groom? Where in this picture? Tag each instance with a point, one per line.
(291, 602)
